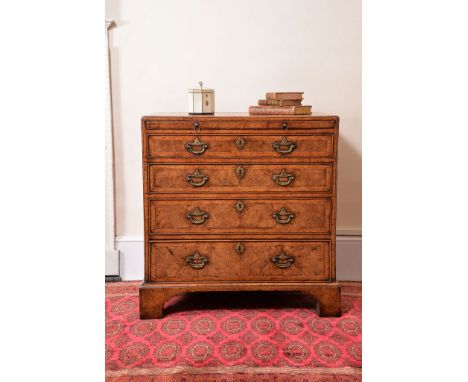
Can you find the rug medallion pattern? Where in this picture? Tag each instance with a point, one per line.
(232, 337)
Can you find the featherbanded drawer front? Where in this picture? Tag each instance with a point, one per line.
(240, 260)
(223, 216)
(241, 177)
(240, 146)
(235, 202)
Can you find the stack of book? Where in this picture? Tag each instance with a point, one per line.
(281, 103)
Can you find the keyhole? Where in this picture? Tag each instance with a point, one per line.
(239, 248)
(240, 143)
(240, 206)
(240, 172)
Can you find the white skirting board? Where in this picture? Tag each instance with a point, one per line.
(348, 257)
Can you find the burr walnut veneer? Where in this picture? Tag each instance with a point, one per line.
(239, 203)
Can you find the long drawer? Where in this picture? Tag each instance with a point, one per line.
(240, 146)
(226, 215)
(240, 260)
(275, 177)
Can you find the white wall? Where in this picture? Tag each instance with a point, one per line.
(242, 49)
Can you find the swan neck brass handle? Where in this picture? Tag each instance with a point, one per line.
(283, 178)
(284, 146)
(197, 216)
(196, 147)
(196, 260)
(282, 260)
(197, 179)
(283, 216)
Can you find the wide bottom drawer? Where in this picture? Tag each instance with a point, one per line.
(248, 260)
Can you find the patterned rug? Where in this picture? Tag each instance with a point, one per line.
(241, 337)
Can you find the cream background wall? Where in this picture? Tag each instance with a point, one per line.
(240, 48)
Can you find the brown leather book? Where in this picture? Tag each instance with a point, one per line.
(280, 102)
(304, 110)
(285, 95)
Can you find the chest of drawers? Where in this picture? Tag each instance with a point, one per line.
(234, 202)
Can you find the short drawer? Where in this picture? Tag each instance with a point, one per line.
(274, 177)
(240, 260)
(204, 124)
(226, 215)
(240, 146)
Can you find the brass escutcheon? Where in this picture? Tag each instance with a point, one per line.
(240, 172)
(240, 206)
(240, 143)
(239, 248)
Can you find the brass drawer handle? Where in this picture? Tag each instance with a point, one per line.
(284, 146)
(282, 260)
(196, 260)
(197, 216)
(283, 178)
(283, 216)
(197, 179)
(196, 147)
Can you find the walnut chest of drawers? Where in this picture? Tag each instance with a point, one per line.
(239, 203)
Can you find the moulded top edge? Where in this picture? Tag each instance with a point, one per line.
(242, 115)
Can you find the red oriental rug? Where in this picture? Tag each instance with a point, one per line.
(232, 337)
